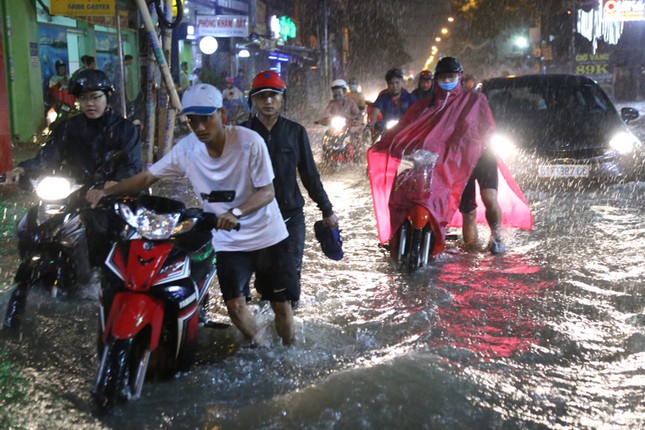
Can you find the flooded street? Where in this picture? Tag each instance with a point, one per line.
(550, 335)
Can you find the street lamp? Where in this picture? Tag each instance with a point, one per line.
(521, 42)
(208, 45)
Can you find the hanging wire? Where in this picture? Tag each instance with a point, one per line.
(161, 16)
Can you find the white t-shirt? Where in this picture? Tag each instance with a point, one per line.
(244, 166)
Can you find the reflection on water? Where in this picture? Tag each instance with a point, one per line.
(549, 336)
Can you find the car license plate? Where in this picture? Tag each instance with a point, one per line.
(563, 171)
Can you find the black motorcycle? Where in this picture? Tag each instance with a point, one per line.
(52, 240)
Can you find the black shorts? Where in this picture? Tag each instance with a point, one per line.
(276, 278)
(485, 174)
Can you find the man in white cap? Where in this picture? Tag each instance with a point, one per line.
(224, 158)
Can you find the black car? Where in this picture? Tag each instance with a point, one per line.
(562, 127)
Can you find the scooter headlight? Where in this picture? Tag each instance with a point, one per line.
(152, 225)
(52, 188)
(391, 123)
(338, 124)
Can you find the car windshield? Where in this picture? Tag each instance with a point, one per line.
(528, 97)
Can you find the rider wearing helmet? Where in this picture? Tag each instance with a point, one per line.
(424, 88)
(339, 105)
(60, 78)
(82, 140)
(290, 152)
(448, 75)
(82, 143)
(393, 102)
(58, 94)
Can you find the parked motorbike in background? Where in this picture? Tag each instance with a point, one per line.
(157, 280)
(51, 236)
(412, 243)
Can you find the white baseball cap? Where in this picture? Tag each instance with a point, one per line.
(201, 99)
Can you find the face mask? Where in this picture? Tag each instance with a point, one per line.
(338, 96)
(448, 86)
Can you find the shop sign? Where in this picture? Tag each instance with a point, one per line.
(624, 10)
(283, 28)
(82, 7)
(223, 25)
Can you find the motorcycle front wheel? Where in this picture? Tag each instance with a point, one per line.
(112, 381)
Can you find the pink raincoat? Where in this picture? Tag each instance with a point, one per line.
(457, 128)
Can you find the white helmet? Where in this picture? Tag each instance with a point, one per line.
(339, 83)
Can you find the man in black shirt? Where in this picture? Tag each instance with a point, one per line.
(290, 151)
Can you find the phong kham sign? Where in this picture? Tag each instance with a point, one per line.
(223, 25)
(82, 7)
(624, 10)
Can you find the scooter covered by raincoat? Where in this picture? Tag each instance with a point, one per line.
(454, 126)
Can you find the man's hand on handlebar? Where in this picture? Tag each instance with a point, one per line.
(13, 176)
(94, 196)
(227, 221)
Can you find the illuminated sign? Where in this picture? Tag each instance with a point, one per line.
(223, 25)
(283, 27)
(82, 7)
(624, 10)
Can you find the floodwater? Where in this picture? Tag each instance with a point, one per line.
(550, 335)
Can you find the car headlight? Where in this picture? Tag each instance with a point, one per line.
(502, 145)
(52, 188)
(624, 142)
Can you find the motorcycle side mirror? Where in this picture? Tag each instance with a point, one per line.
(112, 160)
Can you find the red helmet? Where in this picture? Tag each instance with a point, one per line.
(425, 75)
(267, 80)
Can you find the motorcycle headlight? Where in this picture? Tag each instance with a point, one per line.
(338, 123)
(152, 225)
(52, 188)
(184, 226)
(624, 142)
(391, 123)
(502, 145)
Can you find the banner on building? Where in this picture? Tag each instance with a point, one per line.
(82, 7)
(223, 25)
(624, 10)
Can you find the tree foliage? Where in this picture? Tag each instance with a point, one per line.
(375, 39)
(486, 19)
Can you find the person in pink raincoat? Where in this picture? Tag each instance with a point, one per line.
(455, 124)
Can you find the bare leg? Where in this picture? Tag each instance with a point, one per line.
(494, 219)
(242, 317)
(469, 229)
(284, 321)
(493, 211)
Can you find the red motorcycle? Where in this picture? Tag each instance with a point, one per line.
(411, 246)
(157, 281)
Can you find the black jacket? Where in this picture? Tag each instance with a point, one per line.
(82, 144)
(290, 152)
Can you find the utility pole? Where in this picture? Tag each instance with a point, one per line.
(325, 44)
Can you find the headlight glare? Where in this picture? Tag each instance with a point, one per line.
(502, 145)
(624, 142)
(54, 188)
